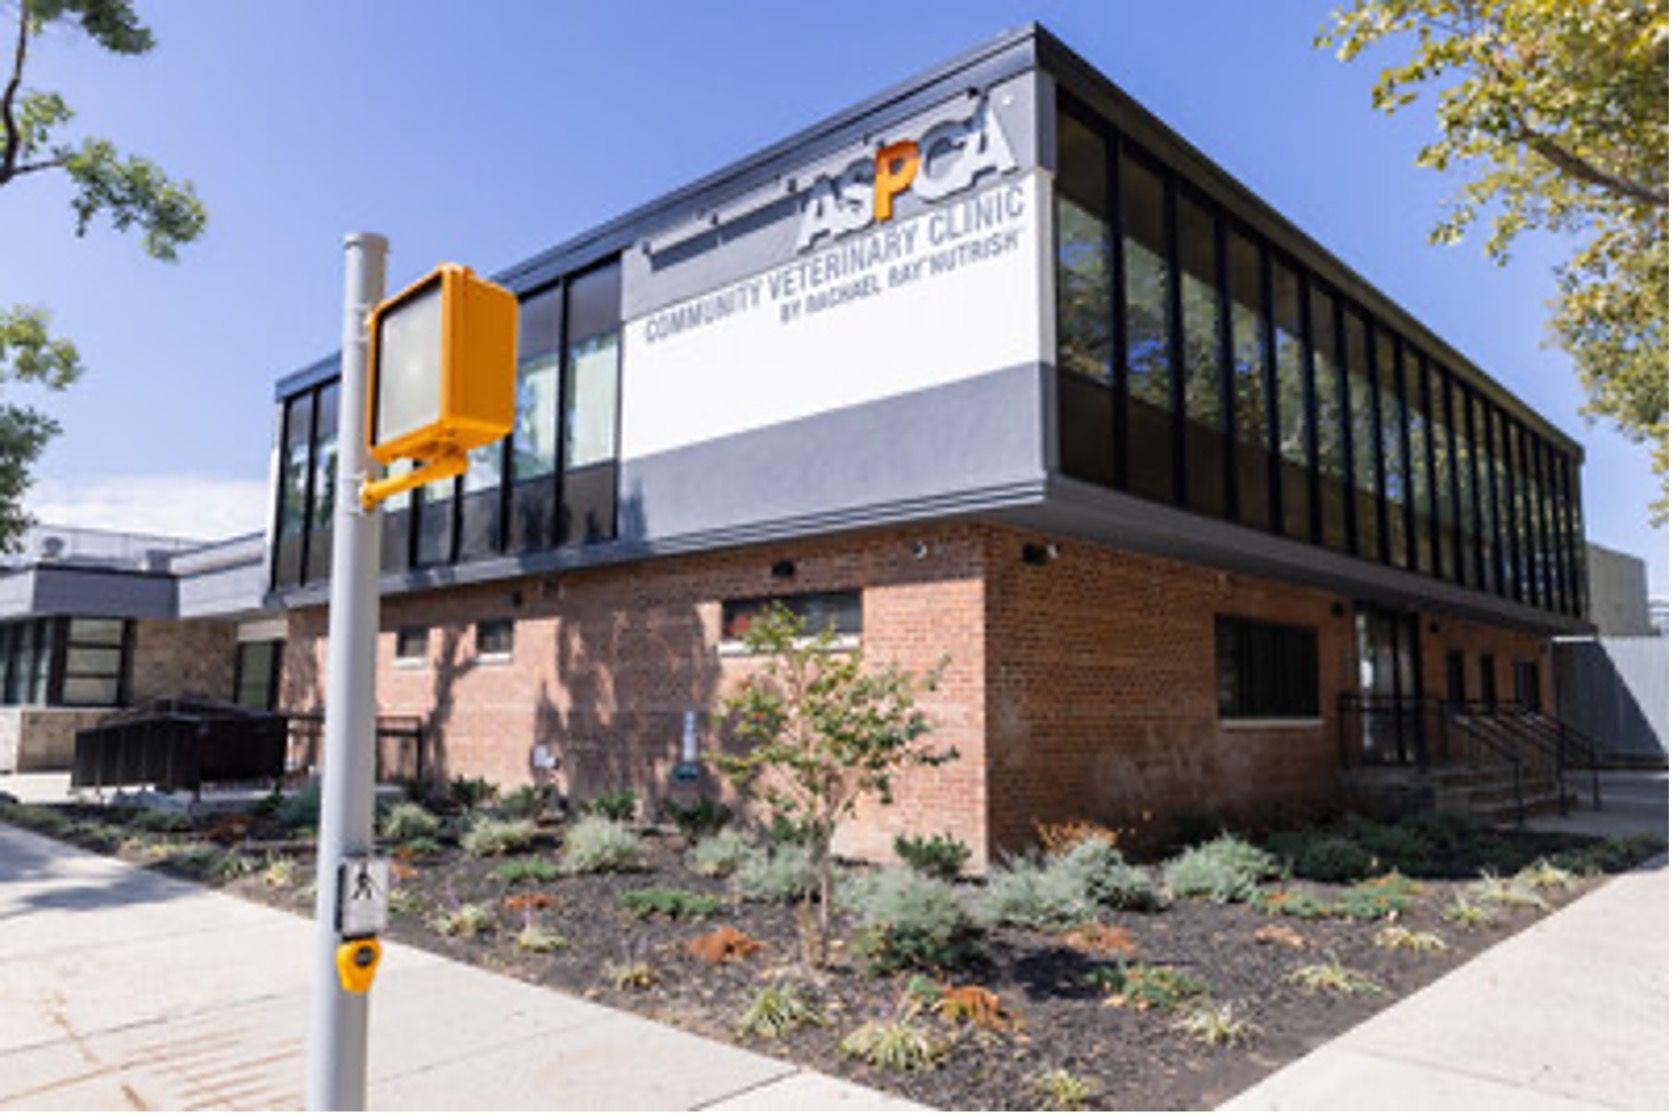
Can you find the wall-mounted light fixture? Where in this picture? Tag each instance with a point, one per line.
(784, 568)
(920, 550)
(1039, 554)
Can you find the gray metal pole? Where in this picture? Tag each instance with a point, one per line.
(337, 1023)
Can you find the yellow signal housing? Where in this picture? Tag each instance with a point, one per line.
(442, 376)
(357, 964)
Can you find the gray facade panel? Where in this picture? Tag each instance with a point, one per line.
(1616, 691)
(927, 446)
(75, 592)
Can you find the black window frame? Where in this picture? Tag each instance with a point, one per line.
(487, 635)
(1274, 670)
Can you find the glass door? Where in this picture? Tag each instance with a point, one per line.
(1386, 644)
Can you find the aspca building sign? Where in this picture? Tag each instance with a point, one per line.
(946, 158)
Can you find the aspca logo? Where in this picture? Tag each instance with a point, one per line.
(947, 158)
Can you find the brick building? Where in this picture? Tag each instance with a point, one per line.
(993, 365)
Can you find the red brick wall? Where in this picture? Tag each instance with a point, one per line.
(1084, 688)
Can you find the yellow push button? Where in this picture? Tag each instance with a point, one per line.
(357, 963)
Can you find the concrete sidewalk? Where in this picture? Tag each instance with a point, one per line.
(120, 988)
(1571, 1013)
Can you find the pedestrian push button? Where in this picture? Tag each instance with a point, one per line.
(357, 963)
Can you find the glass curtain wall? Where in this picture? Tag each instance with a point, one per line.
(1330, 420)
(1251, 390)
(1145, 267)
(325, 483)
(1363, 446)
(534, 438)
(592, 321)
(1292, 397)
(1392, 435)
(292, 528)
(1085, 281)
(1425, 498)
(1200, 318)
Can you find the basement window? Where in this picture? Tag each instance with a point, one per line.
(1265, 671)
(494, 640)
(412, 645)
(839, 611)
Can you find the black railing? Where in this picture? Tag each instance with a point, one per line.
(399, 746)
(180, 744)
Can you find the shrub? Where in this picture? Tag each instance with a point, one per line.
(1491, 889)
(161, 821)
(906, 920)
(941, 857)
(780, 874)
(1405, 846)
(528, 801)
(1215, 1025)
(229, 866)
(1387, 896)
(1334, 977)
(535, 939)
(280, 873)
(467, 920)
(1326, 857)
(669, 902)
(598, 844)
(782, 829)
(468, 794)
(635, 975)
(719, 855)
(1143, 987)
(417, 847)
(527, 869)
(1292, 903)
(898, 1044)
(1029, 891)
(700, 819)
(1400, 939)
(1062, 1091)
(1226, 870)
(1463, 912)
(1543, 875)
(1615, 854)
(301, 810)
(617, 806)
(408, 821)
(776, 1010)
(41, 819)
(490, 836)
(1108, 879)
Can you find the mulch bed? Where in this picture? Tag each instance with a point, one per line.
(1138, 1059)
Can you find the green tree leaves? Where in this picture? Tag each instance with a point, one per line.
(1559, 110)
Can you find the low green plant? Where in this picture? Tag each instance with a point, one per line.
(1494, 890)
(1226, 870)
(419, 847)
(631, 975)
(720, 854)
(161, 821)
(1144, 987)
(1060, 1090)
(699, 819)
(467, 920)
(528, 801)
(900, 1044)
(1326, 857)
(1543, 875)
(527, 869)
(231, 866)
(1334, 977)
(1292, 903)
(776, 1010)
(536, 939)
(1402, 939)
(905, 920)
(598, 844)
(1386, 896)
(300, 810)
(40, 819)
(1465, 913)
(1215, 1025)
(617, 806)
(280, 873)
(667, 902)
(408, 821)
(777, 874)
(1066, 889)
(491, 836)
(468, 794)
(408, 904)
(942, 856)
(1614, 854)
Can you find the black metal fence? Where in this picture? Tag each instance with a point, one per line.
(400, 746)
(180, 744)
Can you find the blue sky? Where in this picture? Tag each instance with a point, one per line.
(483, 133)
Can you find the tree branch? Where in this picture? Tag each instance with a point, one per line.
(14, 137)
(44, 164)
(1577, 167)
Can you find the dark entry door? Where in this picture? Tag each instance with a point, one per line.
(1386, 643)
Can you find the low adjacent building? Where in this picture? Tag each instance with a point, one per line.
(94, 621)
(993, 365)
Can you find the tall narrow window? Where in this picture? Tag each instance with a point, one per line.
(1488, 545)
(1085, 273)
(95, 662)
(1291, 399)
(593, 319)
(325, 483)
(534, 436)
(1392, 441)
(1500, 478)
(1329, 421)
(1363, 445)
(1249, 379)
(1145, 295)
(1200, 315)
(1425, 511)
(293, 490)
